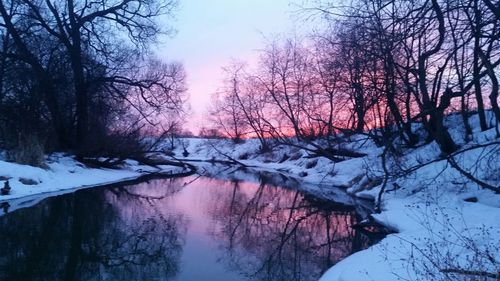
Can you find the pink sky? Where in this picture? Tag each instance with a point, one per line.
(211, 33)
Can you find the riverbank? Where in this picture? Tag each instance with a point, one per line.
(64, 174)
(446, 224)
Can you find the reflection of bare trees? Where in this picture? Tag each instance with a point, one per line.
(137, 232)
(114, 234)
(275, 234)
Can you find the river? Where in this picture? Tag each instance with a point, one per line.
(183, 229)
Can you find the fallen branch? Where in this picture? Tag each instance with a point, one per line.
(231, 160)
(472, 273)
(468, 175)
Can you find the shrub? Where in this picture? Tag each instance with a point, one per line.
(284, 158)
(296, 156)
(113, 145)
(29, 151)
(311, 164)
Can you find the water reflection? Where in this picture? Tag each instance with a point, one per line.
(268, 234)
(178, 229)
(102, 234)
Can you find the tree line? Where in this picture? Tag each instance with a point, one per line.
(378, 67)
(80, 76)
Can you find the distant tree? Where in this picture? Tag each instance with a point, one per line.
(210, 133)
(227, 112)
(238, 106)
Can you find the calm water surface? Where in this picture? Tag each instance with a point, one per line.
(188, 229)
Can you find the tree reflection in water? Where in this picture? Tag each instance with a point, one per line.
(269, 233)
(113, 234)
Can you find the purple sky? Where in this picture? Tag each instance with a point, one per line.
(212, 32)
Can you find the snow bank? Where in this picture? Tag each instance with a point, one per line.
(31, 184)
(291, 161)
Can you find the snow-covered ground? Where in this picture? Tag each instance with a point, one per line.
(443, 221)
(283, 159)
(30, 184)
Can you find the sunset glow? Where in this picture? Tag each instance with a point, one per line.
(212, 33)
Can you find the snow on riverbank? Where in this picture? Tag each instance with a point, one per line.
(283, 159)
(448, 228)
(31, 184)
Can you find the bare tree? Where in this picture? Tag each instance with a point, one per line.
(94, 57)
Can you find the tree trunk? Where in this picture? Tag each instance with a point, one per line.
(465, 118)
(441, 134)
(48, 92)
(435, 126)
(476, 69)
(359, 100)
(391, 102)
(494, 84)
(82, 125)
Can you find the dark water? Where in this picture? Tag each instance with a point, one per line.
(184, 229)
